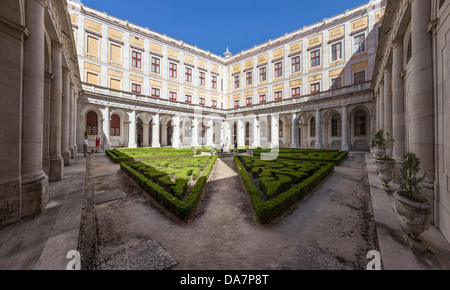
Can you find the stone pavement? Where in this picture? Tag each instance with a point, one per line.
(43, 241)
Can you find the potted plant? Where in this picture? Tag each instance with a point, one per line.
(378, 144)
(385, 163)
(413, 209)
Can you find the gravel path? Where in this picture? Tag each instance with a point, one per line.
(331, 229)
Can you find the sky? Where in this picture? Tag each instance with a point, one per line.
(214, 25)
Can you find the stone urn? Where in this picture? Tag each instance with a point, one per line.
(371, 152)
(385, 169)
(415, 215)
(378, 152)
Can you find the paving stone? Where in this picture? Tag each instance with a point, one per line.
(146, 256)
(107, 196)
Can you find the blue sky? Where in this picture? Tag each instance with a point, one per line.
(213, 25)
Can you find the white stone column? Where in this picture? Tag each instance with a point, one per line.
(145, 133)
(46, 128)
(132, 130)
(106, 128)
(194, 132)
(387, 100)
(275, 122)
(345, 128)
(421, 108)
(255, 142)
(381, 107)
(294, 127)
(240, 133)
(155, 131)
(56, 160)
(319, 132)
(209, 133)
(176, 132)
(398, 111)
(34, 191)
(65, 117)
(325, 134)
(164, 135)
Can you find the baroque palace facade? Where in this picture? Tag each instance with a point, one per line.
(328, 85)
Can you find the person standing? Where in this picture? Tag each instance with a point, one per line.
(235, 145)
(85, 146)
(97, 144)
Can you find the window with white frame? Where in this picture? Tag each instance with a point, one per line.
(262, 74)
(115, 53)
(249, 78)
(214, 82)
(295, 92)
(336, 51)
(156, 92)
(188, 99)
(136, 88)
(173, 70)
(336, 83)
(278, 95)
(359, 77)
(262, 98)
(202, 101)
(315, 58)
(236, 103)
(202, 78)
(236, 82)
(295, 64)
(214, 104)
(315, 88)
(248, 101)
(92, 45)
(156, 65)
(188, 74)
(136, 59)
(278, 69)
(173, 96)
(359, 43)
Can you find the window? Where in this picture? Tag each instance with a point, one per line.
(156, 92)
(115, 125)
(336, 83)
(315, 58)
(313, 127)
(236, 82)
(188, 99)
(280, 131)
(359, 43)
(262, 74)
(336, 51)
(295, 64)
(248, 101)
(315, 88)
(173, 70)
(379, 32)
(202, 78)
(201, 101)
(262, 98)
(359, 77)
(214, 104)
(136, 59)
(115, 84)
(91, 123)
(188, 75)
(336, 126)
(295, 92)
(136, 88)
(248, 78)
(214, 82)
(115, 53)
(278, 95)
(360, 123)
(236, 103)
(187, 129)
(156, 65)
(278, 69)
(92, 78)
(92, 47)
(172, 96)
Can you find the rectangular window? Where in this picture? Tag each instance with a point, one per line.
(336, 51)
(236, 103)
(359, 43)
(156, 92)
(188, 99)
(278, 69)
(236, 82)
(214, 82)
(336, 83)
(188, 75)
(115, 84)
(278, 95)
(115, 53)
(136, 59)
(156, 62)
(214, 104)
(249, 78)
(295, 92)
(262, 98)
(262, 74)
(136, 88)
(202, 78)
(92, 78)
(173, 70)
(173, 96)
(295, 64)
(248, 101)
(315, 58)
(315, 88)
(201, 101)
(92, 46)
(359, 77)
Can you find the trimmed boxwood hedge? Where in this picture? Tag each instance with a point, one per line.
(267, 210)
(180, 208)
(118, 156)
(309, 155)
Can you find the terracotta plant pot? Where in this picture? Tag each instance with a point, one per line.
(416, 216)
(385, 170)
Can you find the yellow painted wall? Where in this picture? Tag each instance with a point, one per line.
(115, 34)
(156, 48)
(336, 72)
(295, 47)
(336, 32)
(295, 83)
(278, 53)
(278, 87)
(92, 78)
(360, 23)
(315, 40)
(93, 26)
(91, 66)
(93, 46)
(155, 84)
(115, 84)
(136, 79)
(116, 53)
(136, 41)
(315, 78)
(173, 53)
(262, 59)
(173, 88)
(360, 65)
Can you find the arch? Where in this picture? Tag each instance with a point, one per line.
(115, 125)
(359, 125)
(13, 11)
(312, 127)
